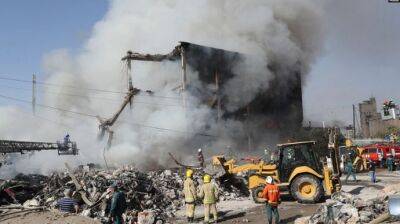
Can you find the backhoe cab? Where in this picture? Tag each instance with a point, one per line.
(296, 170)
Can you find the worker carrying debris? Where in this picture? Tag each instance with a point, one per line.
(272, 198)
(118, 204)
(200, 157)
(189, 190)
(68, 204)
(209, 193)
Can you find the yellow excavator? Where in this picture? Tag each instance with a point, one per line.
(297, 169)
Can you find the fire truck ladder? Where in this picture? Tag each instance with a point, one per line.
(9, 146)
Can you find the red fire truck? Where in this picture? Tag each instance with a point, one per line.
(381, 151)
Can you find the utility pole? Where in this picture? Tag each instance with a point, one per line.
(248, 129)
(184, 82)
(219, 112)
(354, 121)
(184, 78)
(128, 70)
(33, 94)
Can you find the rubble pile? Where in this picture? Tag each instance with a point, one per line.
(155, 193)
(346, 208)
(21, 188)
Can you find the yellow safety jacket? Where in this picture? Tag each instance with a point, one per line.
(189, 190)
(209, 193)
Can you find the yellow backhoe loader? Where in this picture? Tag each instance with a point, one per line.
(297, 170)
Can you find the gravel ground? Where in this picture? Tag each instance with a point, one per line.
(46, 217)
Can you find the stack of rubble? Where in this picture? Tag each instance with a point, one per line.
(347, 208)
(158, 193)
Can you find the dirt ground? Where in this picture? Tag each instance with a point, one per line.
(45, 217)
(249, 212)
(238, 211)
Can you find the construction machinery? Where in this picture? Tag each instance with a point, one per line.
(297, 169)
(62, 147)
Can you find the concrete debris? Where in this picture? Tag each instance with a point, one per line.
(302, 220)
(31, 203)
(347, 208)
(146, 217)
(152, 197)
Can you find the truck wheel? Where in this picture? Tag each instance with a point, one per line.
(256, 193)
(306, 189)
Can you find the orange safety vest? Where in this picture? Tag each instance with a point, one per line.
(271, 194)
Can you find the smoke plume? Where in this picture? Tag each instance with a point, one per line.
(286, 33)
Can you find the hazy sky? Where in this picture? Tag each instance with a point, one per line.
(359, 60)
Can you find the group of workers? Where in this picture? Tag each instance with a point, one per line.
(371, 166)
(115, 203)
(209, 193)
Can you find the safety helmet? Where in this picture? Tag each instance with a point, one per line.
(207, 178)
(269, 180)
(199, 150)
(189, 173)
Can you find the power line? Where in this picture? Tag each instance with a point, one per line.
(165, 129)
(91, 97)
(52, 121)
(75, 87)
(59, 85)
(90, 115)
(46, 106)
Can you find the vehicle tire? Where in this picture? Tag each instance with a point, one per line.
(256, 194)
(307, 188)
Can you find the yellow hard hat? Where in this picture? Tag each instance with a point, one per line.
(207, 178)
(189, 173)
(348, 143)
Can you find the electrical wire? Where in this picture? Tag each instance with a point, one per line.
(92, 97)
(46, 106)
(94, 116)
(89, 89)
(165, 129)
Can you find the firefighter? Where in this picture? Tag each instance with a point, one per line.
(200, 157)
(190, 195)
(271, 196)
(209, 193)
(66, 139)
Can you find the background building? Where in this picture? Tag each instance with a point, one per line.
(375, 122)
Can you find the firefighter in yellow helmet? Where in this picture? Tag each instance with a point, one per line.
(190, 195)
(209, 193)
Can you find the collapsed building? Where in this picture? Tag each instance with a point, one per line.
(276, 109)
(280, 105)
